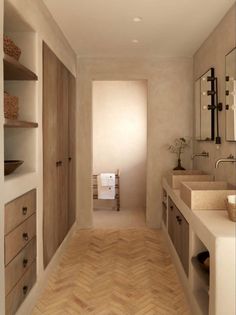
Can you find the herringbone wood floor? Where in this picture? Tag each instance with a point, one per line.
(114, 272)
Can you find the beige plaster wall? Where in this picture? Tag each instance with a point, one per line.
(169, 115)
(120, 138)
(212, 54)
(36, 15)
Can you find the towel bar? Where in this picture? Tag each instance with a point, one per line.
(117, 187)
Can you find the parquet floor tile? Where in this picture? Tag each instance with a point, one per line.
(114, 272)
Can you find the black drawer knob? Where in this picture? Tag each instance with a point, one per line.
(25, 289)
(25, 262)
(24, 210)
(25, 236)
(178, 218)
(171, 207)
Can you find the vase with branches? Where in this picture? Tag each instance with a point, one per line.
(180, 144)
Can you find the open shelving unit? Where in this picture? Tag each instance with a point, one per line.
(20, 79)
(14, 70)
(11, 123)
(201, 278)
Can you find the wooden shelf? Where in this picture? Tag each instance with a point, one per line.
(8, 123)
(13, 70)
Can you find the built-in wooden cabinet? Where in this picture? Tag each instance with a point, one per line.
(20, 249)
(178, 229)
(72, 153)
(58, 151)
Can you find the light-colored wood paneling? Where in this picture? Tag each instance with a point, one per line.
(19, 238)
(72, 153)
(58, 92)
(21, 290)
(19, 265)
(50, 202)
(19, 210)
(122, 272)
(62, 151)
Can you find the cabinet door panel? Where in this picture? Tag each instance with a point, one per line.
(171, 219)
(185, 244)
(177, 229)
(50, 202)
(62, 147)
(72, 154)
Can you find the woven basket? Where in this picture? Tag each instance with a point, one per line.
(11, 108)
(11, 49)
(231, 208)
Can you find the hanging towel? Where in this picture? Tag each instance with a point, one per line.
(107, 179)
(106, 186)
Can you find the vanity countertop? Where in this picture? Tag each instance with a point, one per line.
(215, 222)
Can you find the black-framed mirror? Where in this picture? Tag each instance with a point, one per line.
(205, 104)
(230, 95)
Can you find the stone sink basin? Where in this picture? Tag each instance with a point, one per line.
(175, 178)
(206, 195)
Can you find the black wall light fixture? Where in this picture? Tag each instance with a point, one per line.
(215, 106)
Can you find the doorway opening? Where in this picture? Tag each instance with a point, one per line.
(120, 145)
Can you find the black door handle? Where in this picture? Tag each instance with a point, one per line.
(25, 289)
(70, 158)
(58, 163)
(25, 236)
(178, 219)
(24, 210)
(25, 262)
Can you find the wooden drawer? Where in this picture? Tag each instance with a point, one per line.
(19, 238)
(21, 290)
(19, 210)
(19, 265)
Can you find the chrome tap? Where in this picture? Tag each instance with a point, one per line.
(204, 154)
(230, 158)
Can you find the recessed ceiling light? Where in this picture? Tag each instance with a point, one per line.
(137, 19)
(135, 41)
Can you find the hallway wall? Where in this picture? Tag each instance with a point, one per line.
(212, 54)
(120, 138)
(169, 116)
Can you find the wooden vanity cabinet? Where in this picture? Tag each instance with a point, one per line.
(178, 229)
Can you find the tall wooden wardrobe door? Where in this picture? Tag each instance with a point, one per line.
(72, 154)
(62, 134)
(50, 221)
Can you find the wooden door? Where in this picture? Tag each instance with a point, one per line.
(62, 151)
(50, 202)
(185, 244)
(171, 219)
(177, 231)
(72, 153)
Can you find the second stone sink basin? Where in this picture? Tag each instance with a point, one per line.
(206, 195)
(175, 178)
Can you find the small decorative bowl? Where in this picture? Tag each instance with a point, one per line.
(204, 260)
(11, 165)
(231, 207)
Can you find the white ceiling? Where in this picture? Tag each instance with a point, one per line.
(106, 28)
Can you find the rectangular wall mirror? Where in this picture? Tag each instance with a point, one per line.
(205, 106)
(230, 95)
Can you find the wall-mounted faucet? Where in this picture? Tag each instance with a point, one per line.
(204, 154)
(230, 158)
